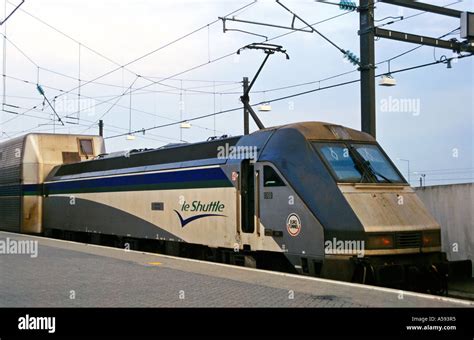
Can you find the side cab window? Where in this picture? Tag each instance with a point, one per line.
(271, 178)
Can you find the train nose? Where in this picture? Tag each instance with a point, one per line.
(384, 208)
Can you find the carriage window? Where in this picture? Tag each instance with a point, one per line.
(86, 147)
(271, 178)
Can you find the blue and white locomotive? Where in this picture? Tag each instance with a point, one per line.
(314, 198)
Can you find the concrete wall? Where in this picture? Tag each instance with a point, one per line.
(452, 206)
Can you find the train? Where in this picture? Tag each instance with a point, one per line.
(310, 198)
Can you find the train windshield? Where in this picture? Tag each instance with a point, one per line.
(358, 163)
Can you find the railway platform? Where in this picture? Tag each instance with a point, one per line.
(71, 274)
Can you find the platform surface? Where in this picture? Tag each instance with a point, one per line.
(70, 274)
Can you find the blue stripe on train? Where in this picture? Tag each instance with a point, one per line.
(198, 175)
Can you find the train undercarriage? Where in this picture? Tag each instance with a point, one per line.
(426, 273)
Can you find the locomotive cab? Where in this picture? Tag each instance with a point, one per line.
(338, 208)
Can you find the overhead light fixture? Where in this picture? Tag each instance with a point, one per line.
(130, 137)
(185, 125)
(265, 107)
(387, 80)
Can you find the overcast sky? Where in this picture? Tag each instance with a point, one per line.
(427, 118)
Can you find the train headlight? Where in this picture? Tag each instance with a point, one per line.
(431, 238)
(380, 241)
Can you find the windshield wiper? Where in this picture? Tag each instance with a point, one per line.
(366, 166)
(366, 171)
(369, 166)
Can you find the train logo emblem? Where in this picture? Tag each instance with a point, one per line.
(293, 224)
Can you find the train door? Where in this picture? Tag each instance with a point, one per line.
(250, 184)
(247, 196)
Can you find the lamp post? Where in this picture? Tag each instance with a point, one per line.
(422, 178)
(408, 165)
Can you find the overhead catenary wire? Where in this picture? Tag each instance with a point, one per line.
(437, 172)
(292, 95)
(286, 87)
(152, 137)
(115, 103)
(221, 58)
(339, 74)
(347, 54)
(18, 115)
(313, 24)
(153, 51)
(388, 17)
(312, 28)
(286, 97)
(345, 73)
(109, 126)
(149, 53)
(220, 83)
(17, 6)
(112, 61)
(60, 90)
(448, 179)
(204, 64)
(190, 89)
(291, 85)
